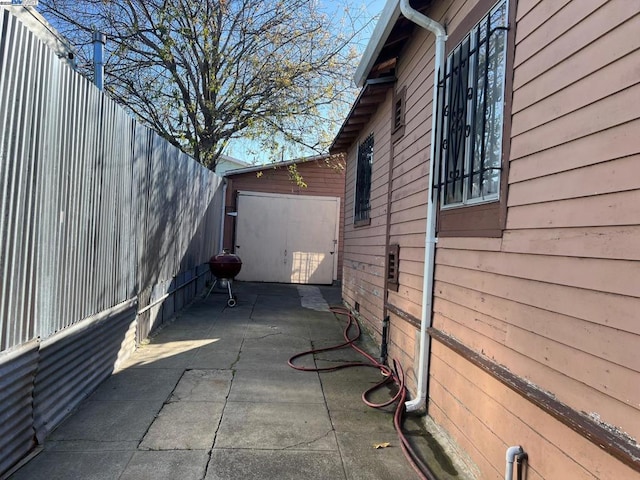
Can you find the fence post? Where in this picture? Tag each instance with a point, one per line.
(99, 40)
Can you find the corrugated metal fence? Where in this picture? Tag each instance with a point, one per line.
(99, 217)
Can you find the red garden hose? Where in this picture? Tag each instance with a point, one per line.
(395, 375)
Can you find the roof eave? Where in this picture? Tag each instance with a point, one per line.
(373, 92)
(386, 22)
(267, 166)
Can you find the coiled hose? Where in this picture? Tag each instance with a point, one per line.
(395, 375)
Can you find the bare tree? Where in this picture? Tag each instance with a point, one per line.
(204, 72)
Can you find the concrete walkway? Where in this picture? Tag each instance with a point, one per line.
(212, 397)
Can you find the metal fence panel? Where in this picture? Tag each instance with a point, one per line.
(176, 200)
(96, 212)
(17, 433)
(73, 363)
(95, 208)
(20, 56)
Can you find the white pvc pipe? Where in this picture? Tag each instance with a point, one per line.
(223, 215)
(512, 453)
(430, 235)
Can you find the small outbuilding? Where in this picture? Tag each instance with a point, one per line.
(284, 220)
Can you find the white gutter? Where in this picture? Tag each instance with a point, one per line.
(430, 236)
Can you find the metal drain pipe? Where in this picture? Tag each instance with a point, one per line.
(430, 237)
(384, 340)
(223, 214)
(99, 41)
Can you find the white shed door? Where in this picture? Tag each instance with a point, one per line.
(287, 238)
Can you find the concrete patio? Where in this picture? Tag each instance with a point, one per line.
(211, 397)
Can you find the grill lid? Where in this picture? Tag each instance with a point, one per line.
(225, 264)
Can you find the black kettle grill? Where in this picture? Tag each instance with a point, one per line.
(225, 266)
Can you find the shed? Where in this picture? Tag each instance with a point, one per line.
(284, 220)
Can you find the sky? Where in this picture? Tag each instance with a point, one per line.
(370, 9)
(366, 13)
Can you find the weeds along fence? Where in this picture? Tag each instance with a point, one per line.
(100, 219)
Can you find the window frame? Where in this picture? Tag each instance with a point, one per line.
(484, 218)
(365, 158)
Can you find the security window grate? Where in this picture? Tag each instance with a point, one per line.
(471, 110)
(363, 180)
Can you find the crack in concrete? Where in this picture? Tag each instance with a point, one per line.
(232, 367)
(265, 336)
(309, 442)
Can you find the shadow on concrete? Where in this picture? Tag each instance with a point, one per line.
(211, 396)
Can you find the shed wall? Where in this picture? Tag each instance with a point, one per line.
(323, 178)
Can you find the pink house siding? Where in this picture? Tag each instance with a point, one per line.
(365, 248)
(554, 300)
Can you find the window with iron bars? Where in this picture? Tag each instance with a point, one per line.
(470, 114)
(363, 181)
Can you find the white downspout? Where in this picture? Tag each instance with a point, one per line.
(430, 236)
(223, 216)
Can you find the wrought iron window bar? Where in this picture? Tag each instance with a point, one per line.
(456, 125)
(363, 180)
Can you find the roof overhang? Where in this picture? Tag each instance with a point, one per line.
(386, 22)
(42, 29)
(376, 71)
(266, 166)
(373, 93)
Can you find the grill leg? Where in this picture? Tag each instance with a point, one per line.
(232, 301)
(211, 289)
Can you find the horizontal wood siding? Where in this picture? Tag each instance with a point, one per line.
(322, 178)
(556, 299)
(410, 178)
(365, 246)
(487, 417)
(408, 194)
(573, 196)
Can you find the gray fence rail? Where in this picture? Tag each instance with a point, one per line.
(96, 212)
